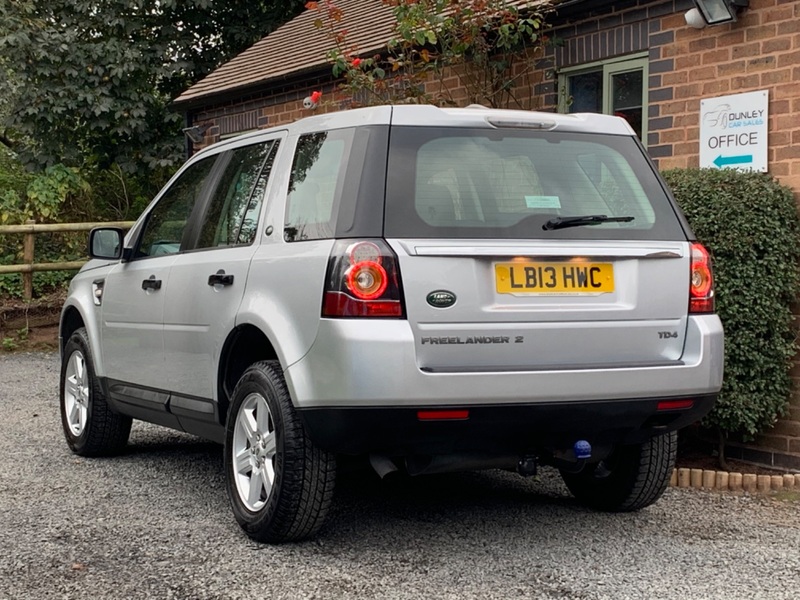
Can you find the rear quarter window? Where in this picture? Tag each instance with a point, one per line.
(481, 183)
(337, 184)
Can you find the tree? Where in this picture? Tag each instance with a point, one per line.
(99, 74)
(9, 86)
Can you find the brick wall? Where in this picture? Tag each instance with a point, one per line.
(760, 51)
(279, 105)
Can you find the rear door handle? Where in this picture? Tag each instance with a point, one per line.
(219, 278)
(152, 283)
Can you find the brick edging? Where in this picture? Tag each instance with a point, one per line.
(735, 482)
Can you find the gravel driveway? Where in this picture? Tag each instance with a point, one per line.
(155, 523)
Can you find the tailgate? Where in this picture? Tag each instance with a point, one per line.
(545, 305)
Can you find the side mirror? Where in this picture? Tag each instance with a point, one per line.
(106, 243)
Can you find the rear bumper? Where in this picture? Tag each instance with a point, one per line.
(497, 429)
(372, 364)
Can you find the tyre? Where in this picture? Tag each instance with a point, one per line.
(630, 478)
(90, 426)
(279, 484)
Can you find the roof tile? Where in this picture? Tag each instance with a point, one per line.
(297, 46)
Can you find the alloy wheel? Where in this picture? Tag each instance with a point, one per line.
(254, 452)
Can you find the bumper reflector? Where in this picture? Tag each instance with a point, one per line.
(442, 415)
(675, 404)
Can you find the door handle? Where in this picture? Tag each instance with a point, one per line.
(152, 283)
(219, 278)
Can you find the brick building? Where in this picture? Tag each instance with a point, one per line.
(636, 58)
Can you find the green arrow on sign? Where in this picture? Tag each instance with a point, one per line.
(725, 161)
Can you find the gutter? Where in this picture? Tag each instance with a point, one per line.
(570, 8)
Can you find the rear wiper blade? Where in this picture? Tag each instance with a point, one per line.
(562, 222)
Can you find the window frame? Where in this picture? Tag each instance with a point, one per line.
(188, 232)
(402, 221)
(610, 67)
(220, 157)
(357, 211)
(220, 168)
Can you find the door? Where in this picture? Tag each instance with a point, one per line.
(208, 283)
(134, 292)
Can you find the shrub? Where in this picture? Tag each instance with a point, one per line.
(65, 195)
(13, 178)
(750, 224)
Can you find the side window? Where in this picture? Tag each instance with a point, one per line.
(315, 184)
(233, 210)
(167, 221)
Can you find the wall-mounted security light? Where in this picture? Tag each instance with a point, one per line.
(715, 12)
(695, 19)
(196, 133)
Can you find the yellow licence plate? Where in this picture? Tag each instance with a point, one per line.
(554, 278)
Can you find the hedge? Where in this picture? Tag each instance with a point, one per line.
(749, 223)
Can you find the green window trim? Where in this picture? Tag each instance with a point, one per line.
(609, 73)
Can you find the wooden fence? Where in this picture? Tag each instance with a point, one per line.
(29, 230)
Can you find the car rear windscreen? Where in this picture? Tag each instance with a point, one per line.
(514, 184)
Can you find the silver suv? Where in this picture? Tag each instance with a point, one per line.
(434, 289)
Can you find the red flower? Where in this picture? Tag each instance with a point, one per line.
(315, 96)
(356, 62)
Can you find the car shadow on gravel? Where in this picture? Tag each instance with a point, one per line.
(365, 507)
(188, 445)
(445, 502)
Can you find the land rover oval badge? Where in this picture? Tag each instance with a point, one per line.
(441, 299)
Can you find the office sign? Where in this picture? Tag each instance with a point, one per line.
(733, 131)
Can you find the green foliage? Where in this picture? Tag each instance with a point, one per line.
(488, 45)
(13, 177)
(490, 42)
(10, 343)
(64, 195)
(85, 87)
(55, 191)
(44, 196)
(99, 74)
(120, 196)
(750, 224)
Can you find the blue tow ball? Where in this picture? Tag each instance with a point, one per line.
(583, 450)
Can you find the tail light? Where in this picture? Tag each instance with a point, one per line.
(701, 283)
(362, 281)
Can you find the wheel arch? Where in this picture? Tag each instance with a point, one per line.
(245, 345)
(71, 321)
(75, 315)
